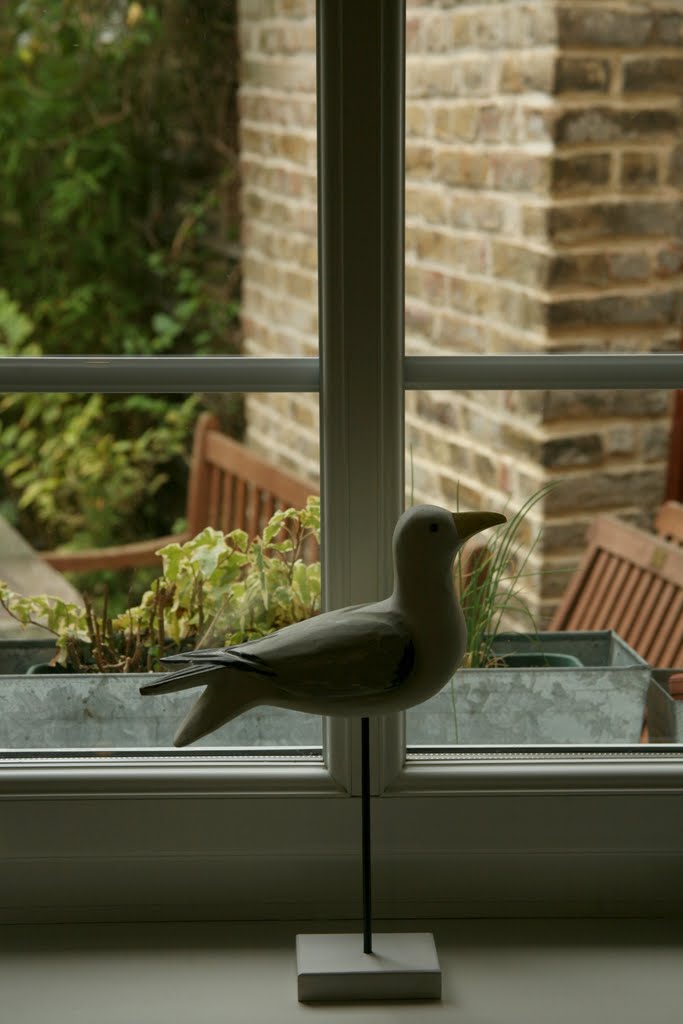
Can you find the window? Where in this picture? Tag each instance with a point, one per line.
(123, 609)
(567, 467)
(520, 833)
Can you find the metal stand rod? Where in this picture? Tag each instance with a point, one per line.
(365, 820)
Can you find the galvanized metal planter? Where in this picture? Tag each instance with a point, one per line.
(107, 713)
(601, 702)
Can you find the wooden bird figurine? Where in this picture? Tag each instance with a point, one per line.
(369, 659)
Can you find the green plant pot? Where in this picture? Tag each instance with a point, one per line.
(99, 712)
(45, 669)
(550, 660)
(18, 655)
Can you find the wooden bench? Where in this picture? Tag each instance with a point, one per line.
(229, 487)
(632, 582)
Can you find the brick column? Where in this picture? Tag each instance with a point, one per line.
(479, 158)
(615, 226)
(543, 213)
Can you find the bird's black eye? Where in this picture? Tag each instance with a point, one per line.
(433, 527)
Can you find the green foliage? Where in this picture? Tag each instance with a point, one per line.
(90, 470)
(220, 589)
(87, 470)
(216, 589)
(114, 174)
(15, 327)
(118, 213)
(66, 620)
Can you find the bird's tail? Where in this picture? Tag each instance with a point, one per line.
(227, 694)
(217, 705)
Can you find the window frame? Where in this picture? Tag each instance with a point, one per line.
(162, 832)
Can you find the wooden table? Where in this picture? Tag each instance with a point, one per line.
(22, 568)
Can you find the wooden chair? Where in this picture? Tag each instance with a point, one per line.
(630, 581)
(229, 487)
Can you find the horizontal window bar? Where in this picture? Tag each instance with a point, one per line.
(157, 374)
(181, 776)
(186, 374)
(545, 771)
(541, 372)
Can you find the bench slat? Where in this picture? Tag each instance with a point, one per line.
(212, 514)
(654, 617)
(624, 603)
(602, 596)
(613, 593)
(585, 605)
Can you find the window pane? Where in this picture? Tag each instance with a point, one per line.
(277, 107)
(159, 188)
(544, 179)
(580, 475)
(91, 488)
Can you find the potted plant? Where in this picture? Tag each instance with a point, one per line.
(215, 589)
(218, 589)
(528, 687)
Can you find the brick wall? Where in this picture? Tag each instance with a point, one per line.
(616, 229)
(279, 233)
(543, 213)
(479, 152)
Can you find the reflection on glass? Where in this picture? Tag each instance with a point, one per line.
(582, 477)
(114, 554)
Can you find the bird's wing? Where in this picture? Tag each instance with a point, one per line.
(185, 678)
(359, 651)
(360, 654)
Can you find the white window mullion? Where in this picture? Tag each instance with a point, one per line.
(361, 51)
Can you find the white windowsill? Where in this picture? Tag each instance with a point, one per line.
(506, 972)
(570, 769)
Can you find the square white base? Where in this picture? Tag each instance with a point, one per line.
(334, 968)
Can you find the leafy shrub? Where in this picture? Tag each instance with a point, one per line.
(220, 589)
(118, 212)
(216, 589)
(117, 166)
(83, 483)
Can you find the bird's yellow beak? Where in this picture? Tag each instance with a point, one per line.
(469, 523)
